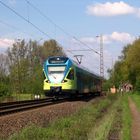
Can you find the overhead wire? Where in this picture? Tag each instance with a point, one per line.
(59, 27)
(36, 27)
(27, 20)
(8, 25)
(50, 20)
(86, 45)
(14, 27)
(46, 17)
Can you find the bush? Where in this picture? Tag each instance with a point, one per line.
(3, 89)
(137, 86)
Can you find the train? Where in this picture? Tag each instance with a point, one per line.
(63, 76)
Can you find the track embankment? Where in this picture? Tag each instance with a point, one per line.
(12, 123)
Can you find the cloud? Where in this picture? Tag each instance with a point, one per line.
(112, 9)
(5, 43)
(115, 39)
(112, 43)
(120, 37)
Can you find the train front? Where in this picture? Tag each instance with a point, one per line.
(59, 76)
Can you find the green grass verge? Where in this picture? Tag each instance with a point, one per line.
(104, 125)
(95, 121)
(79, 126)
(126, 119)
(18, 97)
(136, 98)
(74, 127)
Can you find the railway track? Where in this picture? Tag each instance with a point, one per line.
(14, 107)
(17, 106)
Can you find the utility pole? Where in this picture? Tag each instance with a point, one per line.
(101, 60)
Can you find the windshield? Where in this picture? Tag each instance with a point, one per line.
(56, 73)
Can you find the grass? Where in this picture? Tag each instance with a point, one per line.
(136, 98)
(18, 97)
(22, 96)
(104, 125)
(74, 127)
(7, 99)
(126, 119)
(94, 122)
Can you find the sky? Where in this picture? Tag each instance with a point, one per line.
(74, 24)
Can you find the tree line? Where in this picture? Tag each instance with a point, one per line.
(21, 66)
(127, 68)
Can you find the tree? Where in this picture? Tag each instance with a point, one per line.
(25, 64)
(51, 48)
(4, 79)
(127, 69)
(18, 65)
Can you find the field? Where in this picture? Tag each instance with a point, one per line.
(18, 97)
(104, 119)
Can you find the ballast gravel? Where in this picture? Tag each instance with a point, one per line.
(10, 124)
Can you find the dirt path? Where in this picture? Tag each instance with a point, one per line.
(135, 129)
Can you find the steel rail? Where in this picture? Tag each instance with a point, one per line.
(14, 107)
(18, 102)
(21, 103)
(23, 106)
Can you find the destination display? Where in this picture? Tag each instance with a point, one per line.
(58, 60)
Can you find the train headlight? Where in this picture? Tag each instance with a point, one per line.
(48, 81)
(64, 81)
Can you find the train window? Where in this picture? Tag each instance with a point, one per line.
(71, 74)
(58, 60)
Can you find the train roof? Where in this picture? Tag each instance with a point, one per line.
(63, 59)
(85, 69)
(89, 71)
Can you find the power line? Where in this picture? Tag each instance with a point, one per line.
(46, 17)
(8, 25)
(60, 28)
(86, 45)
(36, 27)
(23, 19)
(79, 50)
(14, 27)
